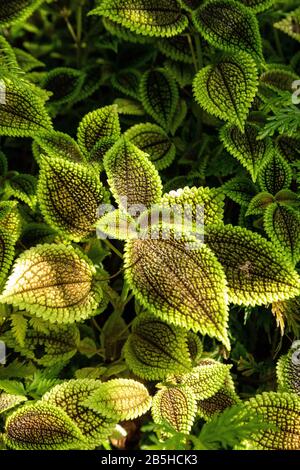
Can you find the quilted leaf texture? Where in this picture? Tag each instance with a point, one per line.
(69, 195)
(7, 252)
(125, 34)
(259, 203)
(17, 10)
(282, 412)
(230, 26)
(42, 426)
(290, 24)
(64, 83)
(288, 147)
(182, 286)
(96, 125)
(9, 401)
(275, 174)
(258, 5)
(176, 48)
(22, 187)
(288, 371)
(154, 141)
(22, 112)
(132, 175)
(54, 282)
(148, 17)
(58, 144)
(120, 399)
(159, 95)
(279, 79)
(195, 346)
(117, 224)
(257, 273)
(251, 152)
(175, 406)
(155, 349)
(225, 398)
(71, 396)
(282, 225)
(127, 82)
(10, 219)
(240, 189)
(227, 88)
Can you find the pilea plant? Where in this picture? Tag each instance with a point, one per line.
(149, 224)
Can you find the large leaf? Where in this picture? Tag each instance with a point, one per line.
(155, 349)
(22, 112)
(230, 26)
(179, 280)
(13, 11)
(227, 88)
(58, 144)
(257, 273)
(69, 195)
(275, 174)
(54, 282)
(148, 17)
(244, 146)
(120, 399)
(281, 413)
(42, 426)
(159, 95)
(131, 175)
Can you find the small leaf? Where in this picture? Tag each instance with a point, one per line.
(27, 61)
(154, 141)
(258, 5)
(275, 174)
(148, 17)
(19, 327)
(282, 225)
(8, 401)
(54, 282)
(7, 252)
(260, 203)
(287, 197)
(279, 79)
(180, 285)
(131, 175)
(225, 398)
(12, 386)
(288, 371)
(117, 224)
(288, 147)
(22, 112)
(127, 82)
(175, 406)
(287, 311)
(69, 195)
(155, 349)
(58, 144)
(64, 83)
(159, 95)
(22, 187)
(3, 164)
(120, 399)
(230, 26)
(176, 48)
(251, 152)
(15, 11)
(257, 273)
(125, 34)
(195, 346)
(41, 426)
(240, 189)
(227, 88)
(129, 107)
(281, 412)
(290, 25)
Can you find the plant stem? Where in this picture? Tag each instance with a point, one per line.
(199, 51)
(192, 52)
(113, 248)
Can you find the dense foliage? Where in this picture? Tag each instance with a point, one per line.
(111, 338)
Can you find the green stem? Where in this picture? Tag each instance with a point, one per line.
(199, 51)
(113, 248)
(192, 52)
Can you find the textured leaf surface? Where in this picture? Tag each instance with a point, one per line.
(279, 79)
(22, 187)
(147, 17)
(58, 144)
(41, 426)
(64, 83)
(13, 11)
(69, 195)
(120, 399)
(275, 174)
(182, 286)
(175, 406)
(227, 88)
(230, 26)
(290, 25)
(281, 410)
(225, 398)
(8, 401)
(260, 203)
(131, 175)
(288, 147)
(195, 346)
(176, 48)
(240, 189)
(257, 273)
(127, 82)
(159, 95)
(244, 146)
(258, 5)
(7, 252)
(155, 349)
(54, 282)
(154, 141)
(288, 371)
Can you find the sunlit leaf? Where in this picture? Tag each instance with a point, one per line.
(290, 25)
(275, 174)
(8, 401)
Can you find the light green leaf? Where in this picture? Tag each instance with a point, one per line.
(8, 401)
(12, 386)
(290, 25)
(22, 187)
(258, 5)
(240, 189)
(125, 34)
(15, 11)
(225, 398)
(275, 174)
(27, 61)
(117, 224)
(58, 144)
(19, 327)
(260, 203)
(7, 251)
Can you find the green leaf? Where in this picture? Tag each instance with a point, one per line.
(12, 386)
(240, 189)
(288, 311)
(71, 396)
(189, 5)
(54, 282)
(288, 147)
(127, 82)
(64, 83)
(27, 61)
(288, 371)
(159, 96)
(125, 34)
(22, 112)
(245, 146)
(132, 175)
(8, 401)
(129, 107)
(183, 75)
(148, 17)
(179, 279)
(120, 399)
(155, 349)
(22, 187)
(225, 398)
(42, 426)
(290, 25)
(3, 164)
(176, 48)
(281, 412)
(230, 26)
(175, 406)
(58, 144)
(287, 197)
(104, 122)
(195, 346)
(257, 272)
(279, 79)
(7, 252)
(8, 58)
(201, 205)
(154, 141)
(258, 5)
(227, 88)
(10, 219)
(117, 224)
(69, 195)
(57, 345)
(260, 203)
(16, 11)
(275, 174)
(19, 327)
(282, 225)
